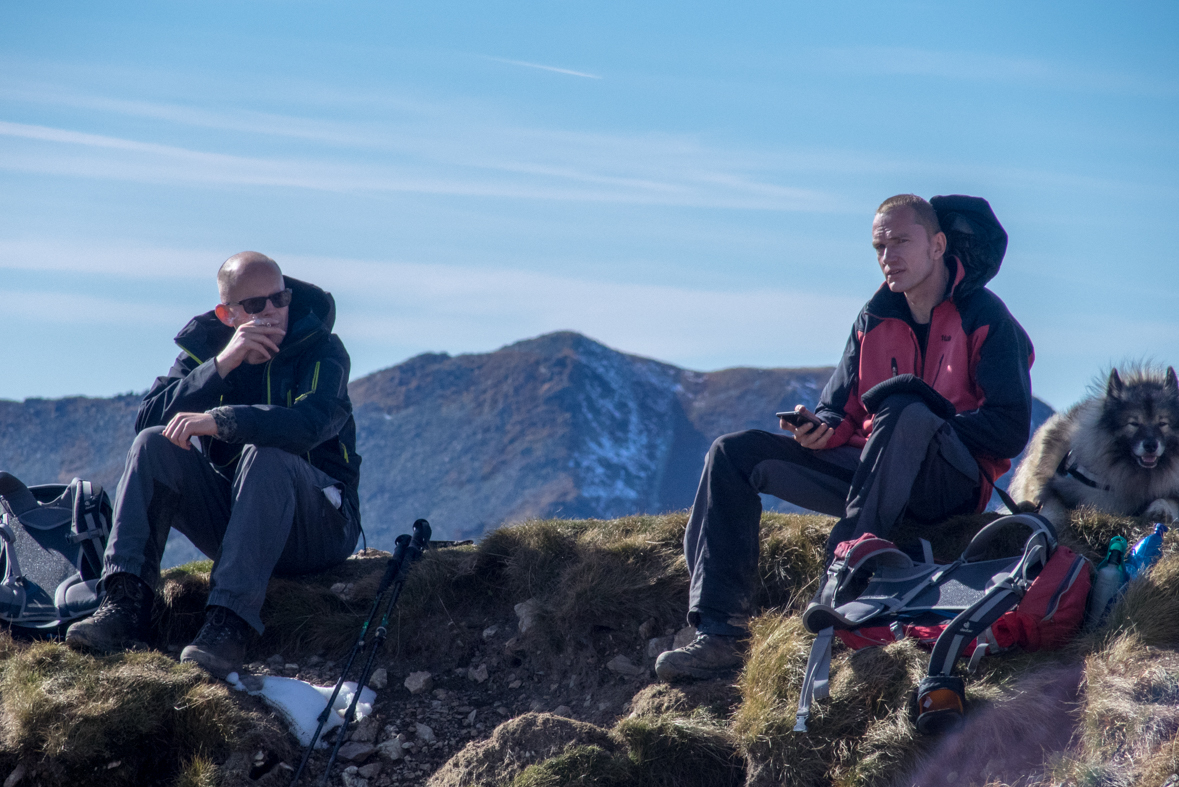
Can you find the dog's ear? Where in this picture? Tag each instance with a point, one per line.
(1170, 381)
(1113, 389)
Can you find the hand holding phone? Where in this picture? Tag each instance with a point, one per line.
(797, 418)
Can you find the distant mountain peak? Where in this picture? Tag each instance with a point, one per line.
(555, 425)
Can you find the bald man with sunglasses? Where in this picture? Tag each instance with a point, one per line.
(248, 447)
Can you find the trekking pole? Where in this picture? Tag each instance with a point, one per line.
(392, 569)
(421, 540)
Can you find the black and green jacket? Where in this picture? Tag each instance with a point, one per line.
(296, 401)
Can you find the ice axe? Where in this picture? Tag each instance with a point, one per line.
(405, 551)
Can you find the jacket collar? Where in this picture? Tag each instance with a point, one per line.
(312, 312)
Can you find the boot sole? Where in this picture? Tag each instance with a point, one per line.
(81, 643)
(217, 667)
(679, 674)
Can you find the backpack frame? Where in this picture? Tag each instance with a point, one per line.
(972, 606)
(52, 538)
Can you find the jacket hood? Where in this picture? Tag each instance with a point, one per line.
(312, 310)
(974, 235)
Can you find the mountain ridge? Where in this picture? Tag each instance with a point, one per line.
(555, 425)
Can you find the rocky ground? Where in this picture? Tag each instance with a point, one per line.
(421, 718)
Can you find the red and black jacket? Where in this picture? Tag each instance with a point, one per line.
(977, 356)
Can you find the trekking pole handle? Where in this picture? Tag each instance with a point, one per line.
(421, 535)
(394, 568)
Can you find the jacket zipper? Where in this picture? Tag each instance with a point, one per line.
(938, 373)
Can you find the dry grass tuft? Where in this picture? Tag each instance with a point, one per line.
(73, 715)
(860, 735)
(665, 751)
(579, 766)
(1129, 717)
(513, 744)
(792, 559)
(199, 772)
(673, 752)
(608, 573)
(703, 701)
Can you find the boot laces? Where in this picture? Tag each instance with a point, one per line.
(124, 599)
(222, 625)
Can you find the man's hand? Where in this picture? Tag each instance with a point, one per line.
(808, 435)
(184, 425)
(251, 343)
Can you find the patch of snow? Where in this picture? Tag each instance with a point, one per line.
(300, 703)
(627, 407)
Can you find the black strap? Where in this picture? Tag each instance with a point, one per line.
(1071, 468)
(1007, 499)
(969, 624)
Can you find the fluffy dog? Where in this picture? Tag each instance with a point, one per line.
(1117, 452)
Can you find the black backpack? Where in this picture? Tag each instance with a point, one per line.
(52, 538)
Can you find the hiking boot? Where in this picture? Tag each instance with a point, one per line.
(220, 645)
(121, 622)
(707, 656)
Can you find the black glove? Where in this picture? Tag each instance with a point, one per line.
(907, 384)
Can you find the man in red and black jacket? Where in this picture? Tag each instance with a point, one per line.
(928, 405)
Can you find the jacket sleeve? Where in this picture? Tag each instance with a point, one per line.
(190, 387)
(318, 413)
(1001, 425)
(839, 405)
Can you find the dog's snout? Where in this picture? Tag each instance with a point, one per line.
(1150, 446)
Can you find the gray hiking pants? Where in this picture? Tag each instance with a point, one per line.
(273, 518)
(913, 462)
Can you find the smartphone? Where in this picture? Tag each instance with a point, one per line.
(797, 419)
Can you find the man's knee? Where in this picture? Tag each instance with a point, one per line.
(739, 446)
(743, 451)
(899, 403)
(267, 460)
(151, 442)
(268, 456)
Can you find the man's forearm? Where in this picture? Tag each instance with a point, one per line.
(183, 390)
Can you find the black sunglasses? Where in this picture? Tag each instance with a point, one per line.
(280, 299)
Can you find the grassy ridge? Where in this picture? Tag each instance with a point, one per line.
(1113, 695)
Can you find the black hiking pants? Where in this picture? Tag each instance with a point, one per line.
(913, 462)
(272, 518)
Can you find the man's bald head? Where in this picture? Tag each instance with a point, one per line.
(242, 266)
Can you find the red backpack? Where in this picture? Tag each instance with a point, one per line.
(971, 607)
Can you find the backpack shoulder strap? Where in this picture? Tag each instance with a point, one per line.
(1005, 592)
(815, 678)
(1040, 531)
(90, 527)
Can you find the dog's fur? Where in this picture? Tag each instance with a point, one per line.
(1126, 439)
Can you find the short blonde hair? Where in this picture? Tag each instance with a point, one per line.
(924, 213)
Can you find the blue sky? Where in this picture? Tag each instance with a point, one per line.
(690, 182)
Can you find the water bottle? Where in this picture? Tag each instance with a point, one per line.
(1111, 577)
(1146, 551)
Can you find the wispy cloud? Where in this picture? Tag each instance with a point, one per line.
(554, 69)
(673, 174)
